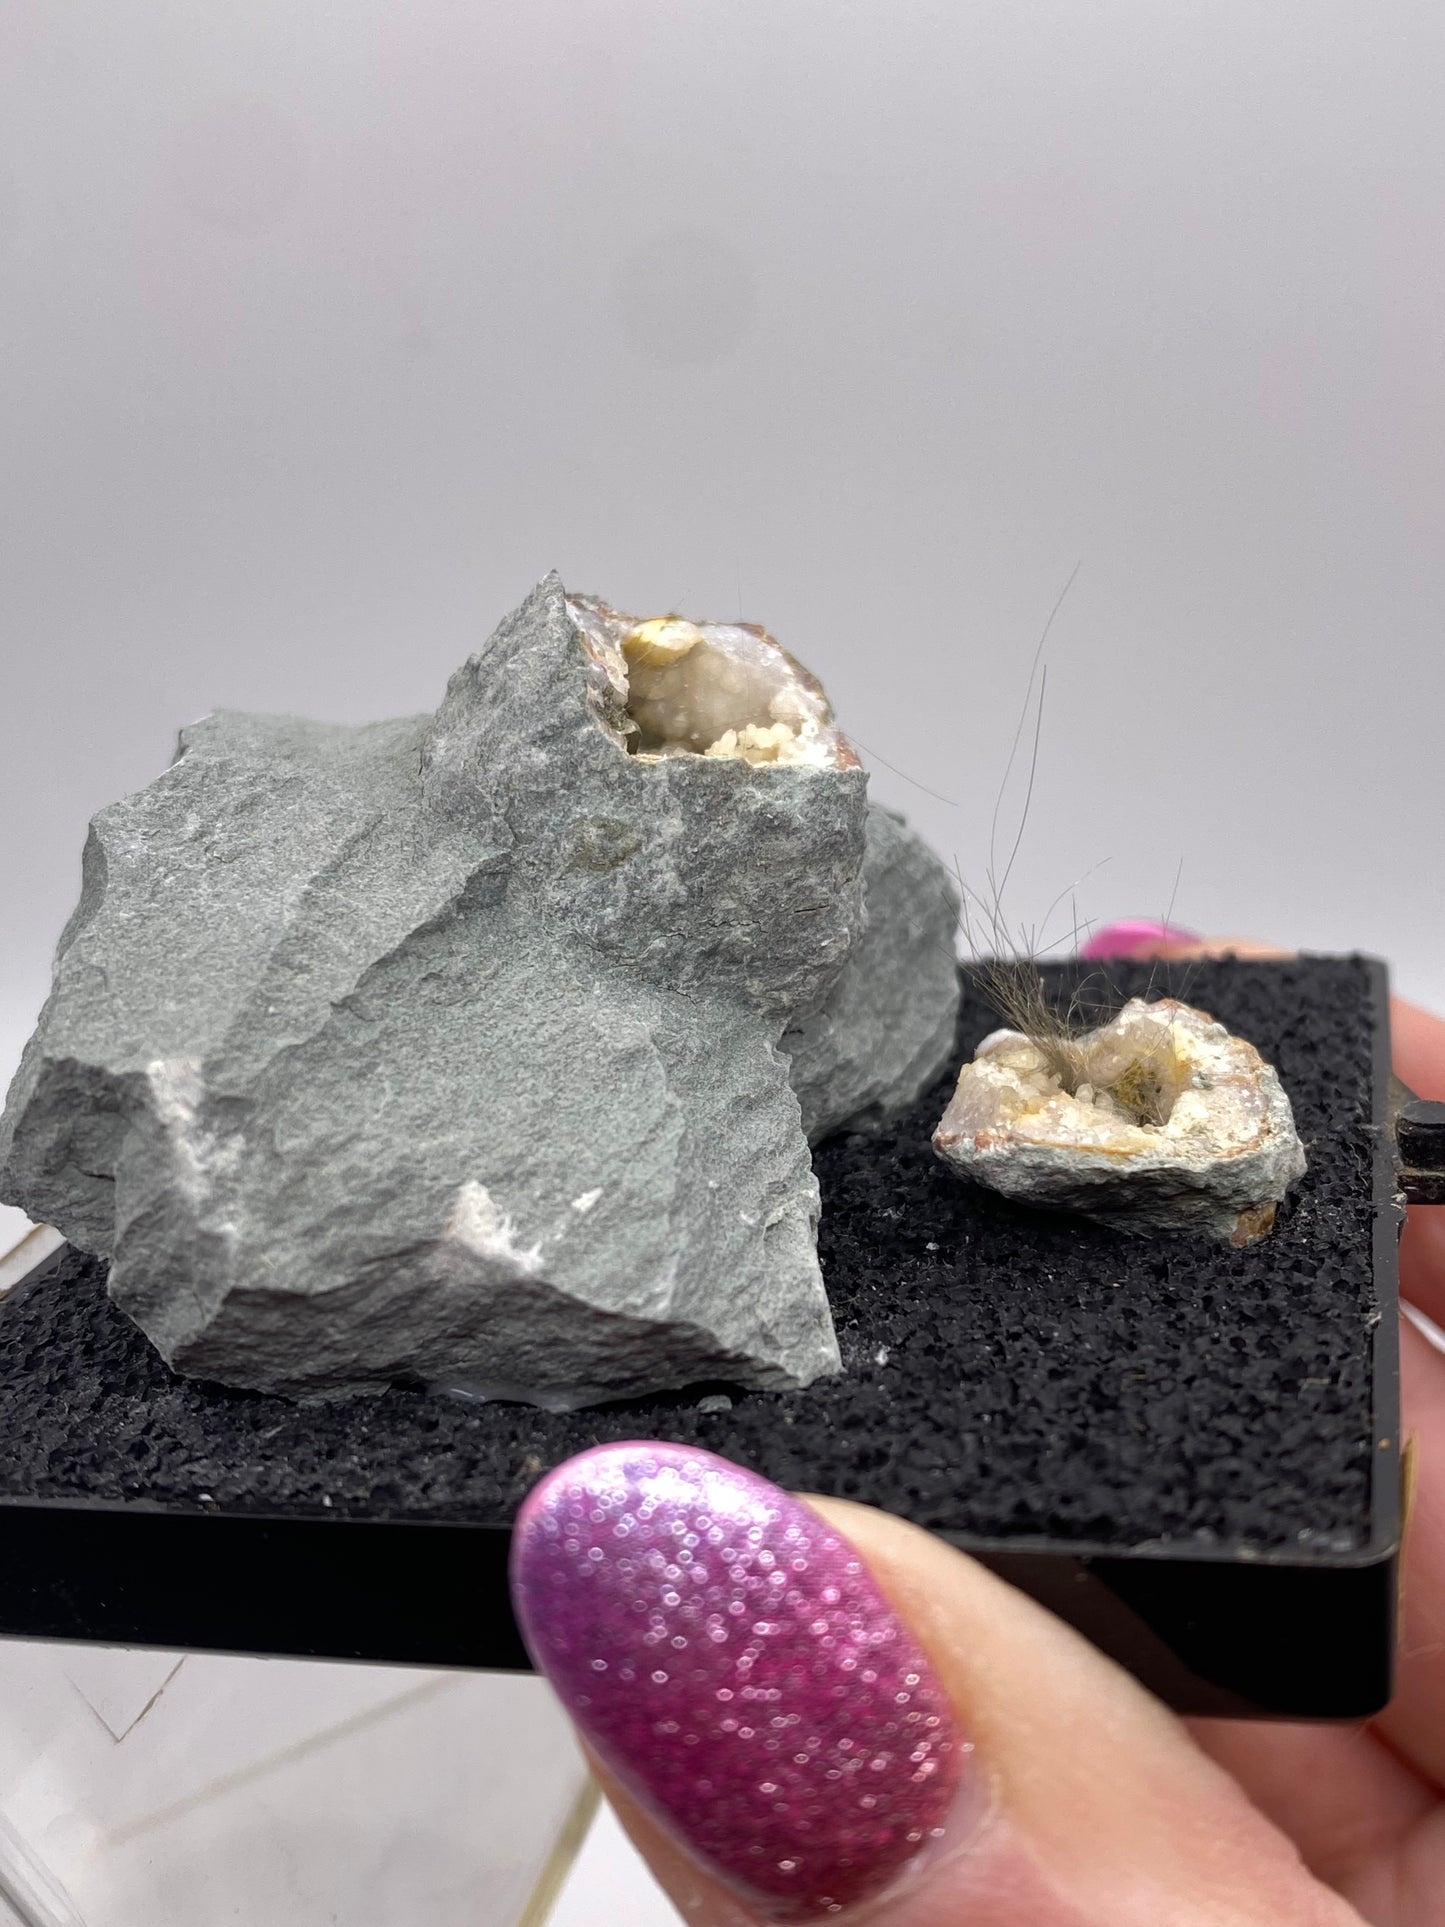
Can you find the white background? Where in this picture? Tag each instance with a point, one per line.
(325, 330)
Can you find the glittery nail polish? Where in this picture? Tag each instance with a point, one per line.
(729, 1657)
(1123, 939)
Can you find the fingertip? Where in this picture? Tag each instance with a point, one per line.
(732, 1661)
(1168, 944)
(1418, 1041)
(1132, 937)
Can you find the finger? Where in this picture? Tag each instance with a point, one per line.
(1417, 1041)
(1422, 1263)
(1419, 1052)
(1356, 1812)
(1056, 1789)
(1414, 1723)
(1135, 937)
(1141, 941)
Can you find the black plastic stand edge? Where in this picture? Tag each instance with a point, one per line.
(1222, 1635)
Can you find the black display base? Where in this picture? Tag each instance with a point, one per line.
(1189, 1452)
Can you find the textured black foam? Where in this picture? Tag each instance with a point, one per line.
(1007, 1373)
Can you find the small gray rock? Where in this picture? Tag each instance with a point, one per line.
(457, 1049)
(1168, 1123)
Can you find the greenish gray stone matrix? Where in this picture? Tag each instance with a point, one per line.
(474, 1048)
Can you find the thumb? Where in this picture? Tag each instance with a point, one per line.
(812, 1710)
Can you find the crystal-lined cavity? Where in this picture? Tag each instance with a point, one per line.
(670, 687)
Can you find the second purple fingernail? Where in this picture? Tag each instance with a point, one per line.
(732, 1661)
(1123, 939)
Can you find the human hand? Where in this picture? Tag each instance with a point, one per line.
(1023, 1780)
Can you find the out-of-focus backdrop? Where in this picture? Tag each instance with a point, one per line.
(325, 330)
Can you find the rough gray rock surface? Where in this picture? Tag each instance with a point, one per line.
(885, 1030)
(457, 1049)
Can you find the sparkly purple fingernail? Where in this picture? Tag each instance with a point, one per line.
(729, 1657)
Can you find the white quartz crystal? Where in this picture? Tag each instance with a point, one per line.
(670, 687)
(1171, 1123)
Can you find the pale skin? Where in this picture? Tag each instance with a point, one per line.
(1100, 1808)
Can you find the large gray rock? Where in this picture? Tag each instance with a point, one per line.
(457, 1049)
(885, 1030)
